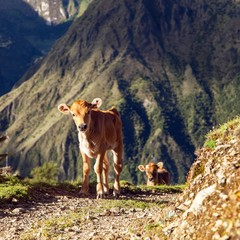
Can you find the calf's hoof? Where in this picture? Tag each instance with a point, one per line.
(116, 194)
(100, 196)
(83, 194)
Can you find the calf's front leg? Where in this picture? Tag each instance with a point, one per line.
(98, 167)
(86, 171)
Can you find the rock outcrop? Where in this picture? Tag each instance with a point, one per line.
(58, 11)
(52, 11)
(210, 205)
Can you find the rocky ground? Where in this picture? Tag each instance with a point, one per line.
(210, 204)
(61, 214)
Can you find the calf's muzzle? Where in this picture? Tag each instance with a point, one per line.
(82, 127)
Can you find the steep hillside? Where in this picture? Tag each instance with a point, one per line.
(210, 204)
(24, 38)
(170, 67)
(16, 53)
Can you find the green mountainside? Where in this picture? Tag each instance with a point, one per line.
(26, 34)
(170, 67)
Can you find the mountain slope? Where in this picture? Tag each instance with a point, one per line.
(16, 53)
(157, 61)
(24, 38)
(211, 200)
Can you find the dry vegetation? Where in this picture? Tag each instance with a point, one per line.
(210, 205)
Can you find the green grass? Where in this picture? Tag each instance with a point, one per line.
(11, 187)
(222, 134)
(82, 8)
(218, 136)
(53, 227)
(47, 173)
(156, 189)
(126, 204)
(210, 144)
(166, 188)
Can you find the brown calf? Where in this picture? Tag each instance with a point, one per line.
(156, 173)
(98, 132)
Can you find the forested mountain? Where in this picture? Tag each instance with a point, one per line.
(170, 67)
(28, 29)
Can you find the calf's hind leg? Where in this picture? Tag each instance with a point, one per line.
(118, 165)
(106, 167)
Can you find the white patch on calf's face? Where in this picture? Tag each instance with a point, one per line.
(81, 113)
(151, 172)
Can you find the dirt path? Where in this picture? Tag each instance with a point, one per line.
(56, 214)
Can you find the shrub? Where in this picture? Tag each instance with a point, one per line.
(11, 187)
(47, 173)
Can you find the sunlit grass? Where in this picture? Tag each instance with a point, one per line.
(54, 227)
(156, 189)
(11, 187)
(222, 134)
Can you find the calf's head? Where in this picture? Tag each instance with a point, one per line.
(81, 112)
(151, 170)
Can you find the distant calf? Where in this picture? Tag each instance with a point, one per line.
(2, 139)
(98, 132)
(156, 173)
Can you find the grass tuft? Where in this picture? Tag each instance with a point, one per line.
(11, 188)
(223, 134)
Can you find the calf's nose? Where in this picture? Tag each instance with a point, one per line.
(82, 127)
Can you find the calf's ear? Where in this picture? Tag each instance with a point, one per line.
(64, 108)
(160, 165)
(141, 168)
(97, 102)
